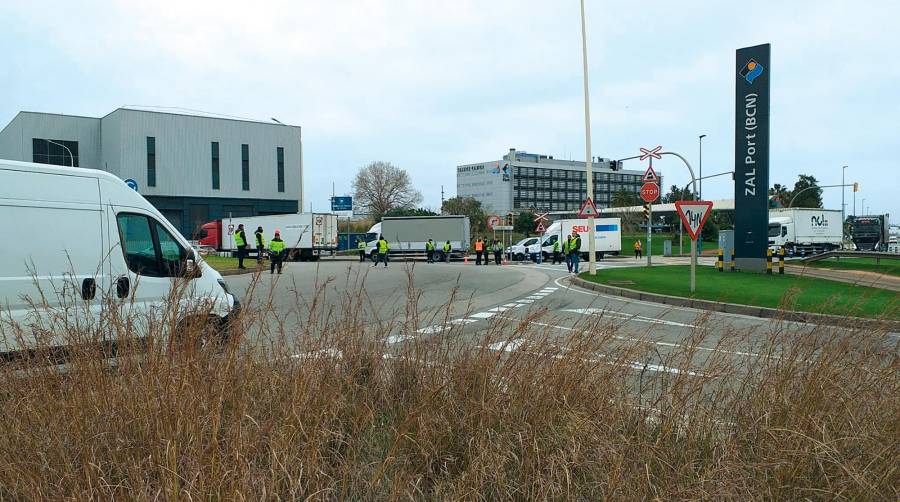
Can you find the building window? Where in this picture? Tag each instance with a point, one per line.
(57, 153)
(151, 161)
(280, 154)
(245, 167)
(214, 155)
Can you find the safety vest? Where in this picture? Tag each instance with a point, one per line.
(498, 247)
(260, 240)
(276, 245)
(382, 246)
(429, 246)
(446, 248)
(555, 246)
(637, 245)
(239, 239)
(361, 245)
(574, 245)
(479, 246)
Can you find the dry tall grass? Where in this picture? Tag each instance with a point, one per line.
(327, 409)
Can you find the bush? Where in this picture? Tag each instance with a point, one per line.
(315, 402)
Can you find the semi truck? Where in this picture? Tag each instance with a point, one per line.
(407, 235)
(870, 233)
(607, 236)
(803, 231)
(306, 236)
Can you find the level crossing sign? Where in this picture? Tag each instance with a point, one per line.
(650, 175)
(693, 214)
(588, 209)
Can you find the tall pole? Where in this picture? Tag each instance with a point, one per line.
(592, 261)
(71, 157)
(701, 165)
(843, 189)
(650, 227)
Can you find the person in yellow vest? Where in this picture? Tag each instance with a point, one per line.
(638, 248)
(276, 253)
(240, 240)
(361, 245)
(260, 244)
(479, 250)
(429, 250)
(498, 252)
(383, 249)
(567, 250)
(556, 252)
(576, 251)
(447, 248)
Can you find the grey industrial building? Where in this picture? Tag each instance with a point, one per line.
(528, 181)
(193, 168)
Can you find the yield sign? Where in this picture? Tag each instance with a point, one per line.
(650, 175)
(693, 214)
(588, 209)
(645, 154)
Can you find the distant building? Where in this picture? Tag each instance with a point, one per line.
(193, 168)
(521, 181)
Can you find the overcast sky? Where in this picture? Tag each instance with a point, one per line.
(428, 85)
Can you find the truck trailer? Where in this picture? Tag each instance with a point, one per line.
(306, 236)
(804, 231)
(870, 233)
(607, 236)
(407, 235)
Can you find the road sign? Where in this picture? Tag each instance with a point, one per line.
(693, 214)
(649, 192)
(493, 221)
(502, 227)
(131, 184)
(650, 175)
(654, 153)
(540, 228)
(539, 217)
(588, 209)
(230, 228)
(342, 203)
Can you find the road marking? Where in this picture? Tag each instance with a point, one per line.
(329, 352)
(525, 301)
(507, 345)
(402, 338)
(534, 297)
(482, 315)
(461, 321)
(629, 317)
(499, 309)
(512, 305)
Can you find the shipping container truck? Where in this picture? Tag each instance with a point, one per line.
(870, 233)
(407, 235)
(607, 236)
(803, 231)
(306, 236)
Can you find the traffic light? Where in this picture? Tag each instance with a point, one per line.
(510, 221)
(615, 165)
(646, 212)
(855, 186)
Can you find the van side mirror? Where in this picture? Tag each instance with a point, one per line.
(190, 269)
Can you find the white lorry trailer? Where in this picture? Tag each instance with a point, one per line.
(607, 236)
(306, 236)
(407, 235)
(803, 231)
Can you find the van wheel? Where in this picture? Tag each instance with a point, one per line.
(519, 257)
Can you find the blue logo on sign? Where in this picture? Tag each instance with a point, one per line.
(131, 184)
(751, 70)
(607, 228)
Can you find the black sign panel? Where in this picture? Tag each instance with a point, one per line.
(751, 156)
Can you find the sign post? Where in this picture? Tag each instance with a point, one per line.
(693, 214)
(649, 193)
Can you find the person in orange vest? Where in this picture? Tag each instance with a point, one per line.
(479, 250)
(637, 249)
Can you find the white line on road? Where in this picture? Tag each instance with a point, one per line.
(629, 317)
(482, 315)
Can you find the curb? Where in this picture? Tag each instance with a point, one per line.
(733, 308)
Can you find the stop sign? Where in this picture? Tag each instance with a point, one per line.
(650, 192)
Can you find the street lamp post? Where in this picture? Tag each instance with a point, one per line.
(592, 261)
(843, 189)
(71, 157)
(701, 165)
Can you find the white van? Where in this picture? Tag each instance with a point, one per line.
(518, 250)
(83, 233)
(607, 236)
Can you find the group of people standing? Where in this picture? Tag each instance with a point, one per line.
(570, 249)
(484, 248)
(275, 248)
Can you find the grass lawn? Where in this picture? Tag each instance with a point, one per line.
(657, 244)
(227, 262)
(791, 292)
(888, 267)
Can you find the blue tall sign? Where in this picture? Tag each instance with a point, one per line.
(342, 203)
(753, 73)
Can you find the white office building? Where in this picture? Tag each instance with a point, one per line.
(193, 168)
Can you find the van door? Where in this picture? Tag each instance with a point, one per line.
(50, 263)
(149, 260)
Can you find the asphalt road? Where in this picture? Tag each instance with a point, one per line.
(412, 301)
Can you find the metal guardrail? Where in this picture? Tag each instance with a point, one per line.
(851, 254)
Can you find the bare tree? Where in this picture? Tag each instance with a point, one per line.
(380, 187)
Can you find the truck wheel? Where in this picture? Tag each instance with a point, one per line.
(438, 256)
(374, 257)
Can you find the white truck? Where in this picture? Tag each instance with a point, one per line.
(407, 235)
(803, 231)
(607, 236)
(306, 236)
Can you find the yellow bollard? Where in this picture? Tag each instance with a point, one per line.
(731, 263)
(769, 261)
(720, 265)
(781, 261)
